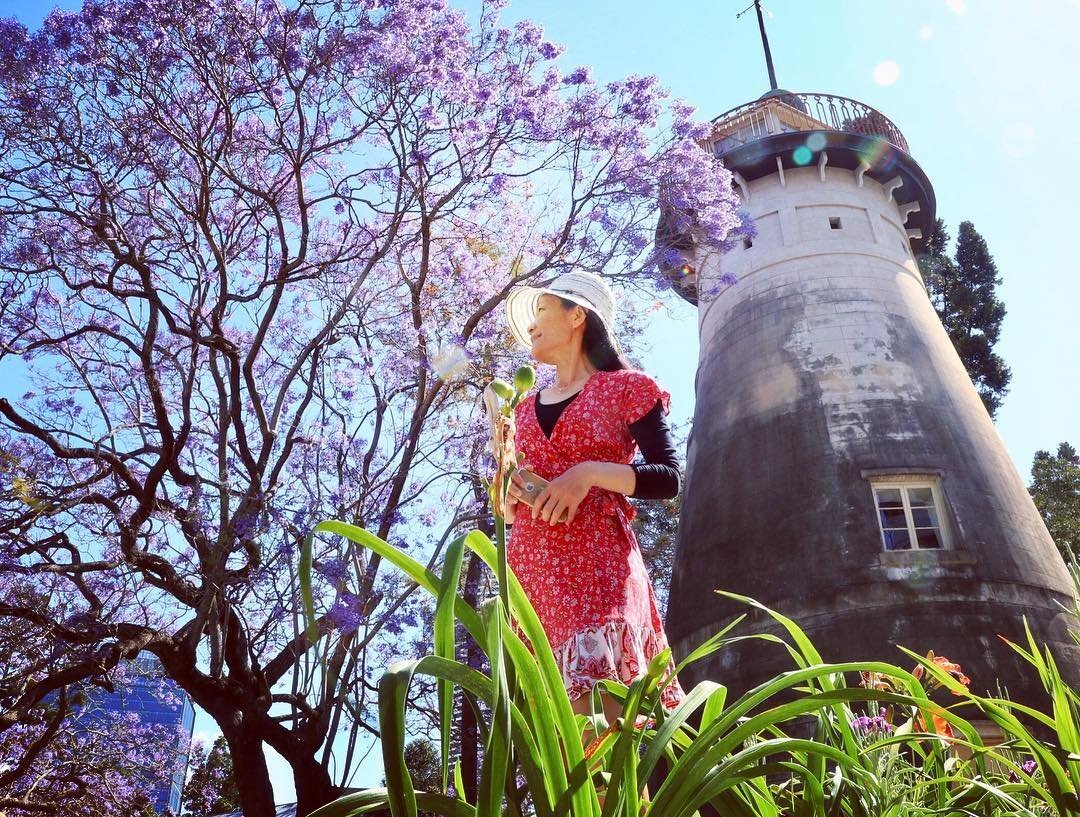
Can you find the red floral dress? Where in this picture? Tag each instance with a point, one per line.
(587, 580)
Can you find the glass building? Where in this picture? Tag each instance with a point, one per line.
(156, 699)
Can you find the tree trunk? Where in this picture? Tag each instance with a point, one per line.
(249, 767)
(314, 788)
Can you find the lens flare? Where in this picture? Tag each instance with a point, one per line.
(886, 72)
(958, 7)
(877, 153)
(926, 32)
(450, 362)
(815, 141)
(802, 155)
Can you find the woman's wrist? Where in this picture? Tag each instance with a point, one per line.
(591, 472)
(611, 476)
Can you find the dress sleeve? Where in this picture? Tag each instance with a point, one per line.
(659, 476)
(640, 393)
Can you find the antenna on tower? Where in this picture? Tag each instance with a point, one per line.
(764, 40)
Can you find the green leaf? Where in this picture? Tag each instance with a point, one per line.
(393, 692)
(497, 748)
(446, 644)
(307, 596)
(705, 692)
(524, 379)
(372, 800)
(583, 801)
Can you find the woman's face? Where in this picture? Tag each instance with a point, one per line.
(552, 332)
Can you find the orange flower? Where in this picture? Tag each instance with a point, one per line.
(945, 665)
(941, 726)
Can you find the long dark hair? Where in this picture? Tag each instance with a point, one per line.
(599, 347)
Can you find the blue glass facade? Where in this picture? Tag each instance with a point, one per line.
(156, 699)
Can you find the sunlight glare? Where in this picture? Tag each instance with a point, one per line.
(887, 72)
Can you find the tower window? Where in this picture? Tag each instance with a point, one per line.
(834, 222)
(909, 514)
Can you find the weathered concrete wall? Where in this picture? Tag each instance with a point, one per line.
(824, 366)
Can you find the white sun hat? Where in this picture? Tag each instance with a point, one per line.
(583, 288)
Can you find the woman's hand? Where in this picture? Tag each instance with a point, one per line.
(509, 508)
(514, 492)
(564, 494)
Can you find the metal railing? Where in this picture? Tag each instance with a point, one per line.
(798, 112)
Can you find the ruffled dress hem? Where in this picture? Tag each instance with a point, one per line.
(616, 651)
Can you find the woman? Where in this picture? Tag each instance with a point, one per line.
(585, 575)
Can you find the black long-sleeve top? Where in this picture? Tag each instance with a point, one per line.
(658, 476)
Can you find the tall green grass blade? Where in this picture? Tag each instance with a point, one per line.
(547, 778)
(307, 596)
(474, 685)
(459, 781)
(624, 755)
(734, 726)
(706, 693)
(393, 691)
(377, 800)
(806, 650)
(445, 644)
(497, 748)
(723, 775)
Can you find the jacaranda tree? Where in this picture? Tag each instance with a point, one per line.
(252, 260)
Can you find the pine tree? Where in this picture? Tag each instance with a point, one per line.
(963, 292)
(211, 788)
(655, 526)
(1055, 487)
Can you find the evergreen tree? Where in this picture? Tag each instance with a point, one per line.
(1055, 487)
(211, 789)
(963, 292)
(422, 761)
(425, 769)
(655, 526)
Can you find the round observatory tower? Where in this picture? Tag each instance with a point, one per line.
(842, 468)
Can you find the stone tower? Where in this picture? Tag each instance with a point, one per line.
(842, 468)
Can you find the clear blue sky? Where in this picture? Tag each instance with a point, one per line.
(986, 94)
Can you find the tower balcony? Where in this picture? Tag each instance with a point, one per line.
(784, 132)
(785, 112)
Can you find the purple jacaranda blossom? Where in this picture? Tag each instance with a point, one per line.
(335, 570)
(550, 51)
(103, 759)
(346, 613)
(579, 76)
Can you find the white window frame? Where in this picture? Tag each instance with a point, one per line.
(903, 483)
